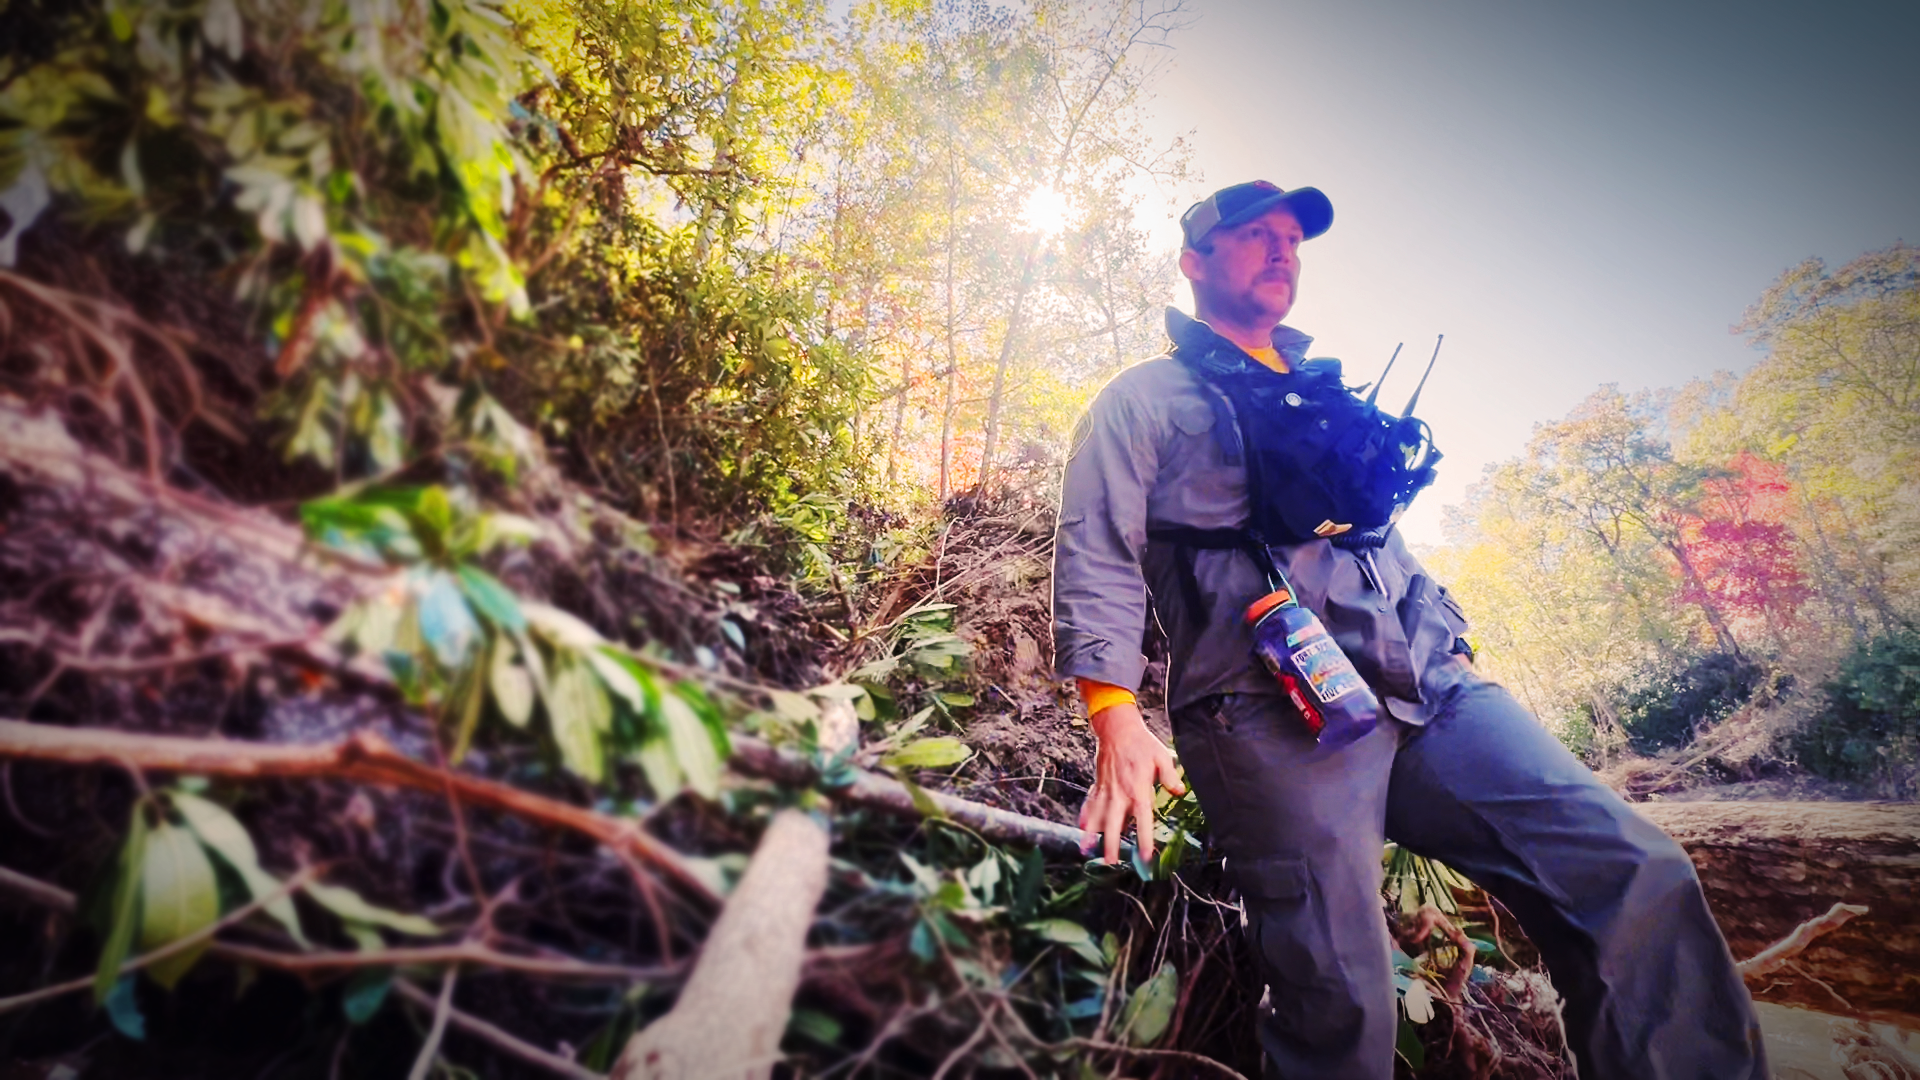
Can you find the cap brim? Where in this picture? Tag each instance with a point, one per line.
(1312, 209)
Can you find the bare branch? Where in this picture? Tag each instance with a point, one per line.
(1777, 955)
(364, 757)
(484, 1031)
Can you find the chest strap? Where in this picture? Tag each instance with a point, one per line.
(1186, 540)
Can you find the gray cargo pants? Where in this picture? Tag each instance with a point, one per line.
(1611, 901)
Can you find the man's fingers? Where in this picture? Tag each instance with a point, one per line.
(1143, 825)
(1090, 813)
(1170, 777)
(1113, 824)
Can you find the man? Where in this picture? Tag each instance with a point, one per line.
(1456, 769)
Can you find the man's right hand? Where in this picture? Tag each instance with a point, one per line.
(1129, 760)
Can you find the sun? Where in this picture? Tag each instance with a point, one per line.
(1045, 211)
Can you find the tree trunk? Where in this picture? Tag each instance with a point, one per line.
(1722, 633)
(953, 349)
(899, 419)
(1770, 866)
(1833, 586)
(1873, 576)
(1111, 304)
(1007, 345)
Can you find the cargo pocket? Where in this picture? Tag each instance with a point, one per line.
(1218, 710)
(1290, 932)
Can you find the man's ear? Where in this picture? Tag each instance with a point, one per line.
(1191, 265)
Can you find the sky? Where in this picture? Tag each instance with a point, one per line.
(1574, 193)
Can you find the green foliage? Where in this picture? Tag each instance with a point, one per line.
(692, 386)
(456, 639)
(166, 885)
(1150, 1008)
(178, 897)
(1178, 826)
(1870, 728)
(358, 913)
(1412, 881)
(932, 753)
(923, 656)
(227, 839)
(348, 169)
(120, 920)
(1577, 731)
(1666, 702)
(123, 1009)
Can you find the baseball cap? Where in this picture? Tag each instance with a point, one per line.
(1243, 202)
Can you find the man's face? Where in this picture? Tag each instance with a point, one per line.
(1253, 273)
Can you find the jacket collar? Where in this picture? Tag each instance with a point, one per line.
(1190, 333)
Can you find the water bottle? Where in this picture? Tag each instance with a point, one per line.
(1336, 703)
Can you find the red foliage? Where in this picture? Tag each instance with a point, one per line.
(1743, 548)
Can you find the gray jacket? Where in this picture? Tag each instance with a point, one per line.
(1145, 457)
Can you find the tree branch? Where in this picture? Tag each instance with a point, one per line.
(484, 1031)
(172, 948)
(364, 758)
(756, 758)
(464, 953)
(1778, 954)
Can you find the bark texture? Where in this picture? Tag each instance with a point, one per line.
(1770, 866)
(733, 1013)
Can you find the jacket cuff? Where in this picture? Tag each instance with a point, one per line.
(1101, 696)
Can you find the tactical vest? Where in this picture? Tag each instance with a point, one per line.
(1321, 462)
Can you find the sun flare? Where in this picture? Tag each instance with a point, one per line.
(1045, 211)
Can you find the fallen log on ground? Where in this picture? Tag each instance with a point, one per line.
(1769, 867)
(733, 1011)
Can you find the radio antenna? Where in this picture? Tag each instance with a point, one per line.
(1382, 380)
(1423, 378)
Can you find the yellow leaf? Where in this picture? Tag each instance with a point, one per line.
(178, 896)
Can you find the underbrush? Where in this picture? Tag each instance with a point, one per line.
(1669, 701)
(1869, 728)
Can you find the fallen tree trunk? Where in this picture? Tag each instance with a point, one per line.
(732, 1014)
(1768, 867)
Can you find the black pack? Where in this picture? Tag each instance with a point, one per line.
(1321, 461)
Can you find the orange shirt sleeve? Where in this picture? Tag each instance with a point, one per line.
(1100, 696)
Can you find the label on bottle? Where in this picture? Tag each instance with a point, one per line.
(1328, 671)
